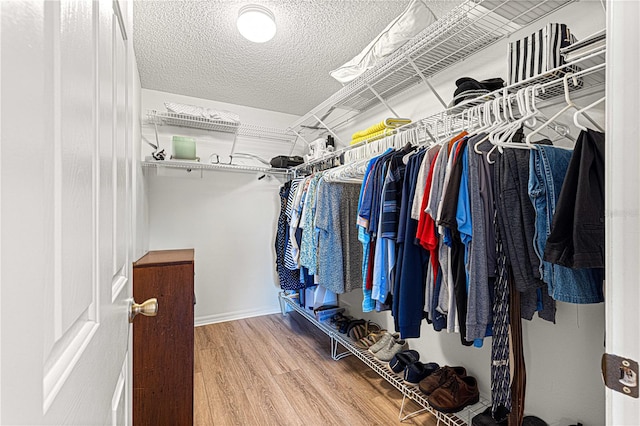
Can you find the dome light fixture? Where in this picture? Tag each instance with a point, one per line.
(256, 23)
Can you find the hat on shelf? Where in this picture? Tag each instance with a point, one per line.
(469, 88)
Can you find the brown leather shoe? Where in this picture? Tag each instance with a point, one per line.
(456, 394)
(439, 378)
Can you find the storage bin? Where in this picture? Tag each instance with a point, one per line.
(184, 148)
(539, 53)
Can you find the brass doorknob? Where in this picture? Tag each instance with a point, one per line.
(148, 308)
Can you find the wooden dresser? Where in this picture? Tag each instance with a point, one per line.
(163, 345)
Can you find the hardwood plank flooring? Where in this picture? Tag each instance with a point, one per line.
(277, 370)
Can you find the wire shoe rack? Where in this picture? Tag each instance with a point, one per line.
(409, 392)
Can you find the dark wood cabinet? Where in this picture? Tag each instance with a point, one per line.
(163, 345)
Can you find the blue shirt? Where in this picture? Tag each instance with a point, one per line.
(368, 304)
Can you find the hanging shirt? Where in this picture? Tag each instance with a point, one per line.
(437, 184)
(447, 291)
(288, 256)
(449, 222)
(465, 228)
(517, 227)
(548, 167)
(309, 242)
(368, 304)
(421, 181)
(411, 267)
(577, 231)
(479, 302)
(289, 279)
(384, 255)
(427, 238)
(339, 254)
(296, 211)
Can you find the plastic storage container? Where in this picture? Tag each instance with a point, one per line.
(184, 148)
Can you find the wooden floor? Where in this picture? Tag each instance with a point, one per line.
(276, 370)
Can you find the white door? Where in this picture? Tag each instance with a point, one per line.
(65, 172)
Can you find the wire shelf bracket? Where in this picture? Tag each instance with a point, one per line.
(328, 128)
(426, 81)
(381, 99)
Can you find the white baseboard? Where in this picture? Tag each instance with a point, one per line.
(236, 315)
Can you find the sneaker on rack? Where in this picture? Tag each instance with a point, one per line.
(383, 342)
(440, 377)
(418, 371)
(394, 346)
(455, 394)
(403, 358)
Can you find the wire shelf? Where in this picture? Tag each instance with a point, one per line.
(396, 380)
(184, 120)
(589, 71)
(195, 165)
(263, 132)
(465, 30)
(245, 130)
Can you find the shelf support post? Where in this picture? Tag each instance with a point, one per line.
(334, 349)
(293, 145)
(415, 413)
(283, 304)
(327, 127)
(298, 135)
(381, 99)
(424, 79)
(233, 147)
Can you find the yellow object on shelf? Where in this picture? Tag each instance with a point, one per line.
(379, 130)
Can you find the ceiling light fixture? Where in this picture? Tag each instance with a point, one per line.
(256, 23)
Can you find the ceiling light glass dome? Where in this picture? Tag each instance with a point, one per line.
(256, 23)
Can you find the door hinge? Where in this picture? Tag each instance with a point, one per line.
(620, 374)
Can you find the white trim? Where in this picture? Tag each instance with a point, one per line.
(236, 315)
(622, 208)
(0, 209)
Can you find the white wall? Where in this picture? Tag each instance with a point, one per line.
(562, 360)
(229, 218)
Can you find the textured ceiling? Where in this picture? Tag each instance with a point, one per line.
(193, 48)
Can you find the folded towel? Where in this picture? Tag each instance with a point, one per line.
(379, 130)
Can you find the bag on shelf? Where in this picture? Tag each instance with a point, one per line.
(537, 54)
(284, 161)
